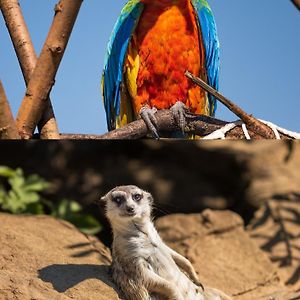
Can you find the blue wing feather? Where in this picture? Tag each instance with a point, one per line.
(211, 46)
(115, 57)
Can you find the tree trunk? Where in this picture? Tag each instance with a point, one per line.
(27, 58)
(43, 77)
(8, 129)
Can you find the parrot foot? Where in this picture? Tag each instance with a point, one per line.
(148, 116)
(179, 111)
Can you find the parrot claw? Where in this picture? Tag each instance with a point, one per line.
(178, 111)
(148, 116)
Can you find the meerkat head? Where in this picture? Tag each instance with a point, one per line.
(127, 203)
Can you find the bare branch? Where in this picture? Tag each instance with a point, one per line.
(8, 129)
(296, 3)
(249, 120)
(195, 124)
(43, 77)
(27, 58)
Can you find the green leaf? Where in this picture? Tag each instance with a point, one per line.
(36, 183)
(75, 207)
(6, 171)
(85, 222)
(71, 211)
(23, 192)
(35, 209)
(2, 194)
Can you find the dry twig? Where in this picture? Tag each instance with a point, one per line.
(250, 121)
(8, 129)
(27, 58)
(296, 3)
(43, 77)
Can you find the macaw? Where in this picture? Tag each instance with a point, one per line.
(152, 45)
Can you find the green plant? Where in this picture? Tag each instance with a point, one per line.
(21, 194)
(72, 211)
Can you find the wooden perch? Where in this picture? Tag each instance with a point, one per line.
(251, 122)
(43, 76)
(195, 124)
(23, 45)
(8, 128)
(296, 3)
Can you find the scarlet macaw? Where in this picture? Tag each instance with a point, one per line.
(152, 45)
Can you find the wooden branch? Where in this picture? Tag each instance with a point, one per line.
(251, 122)
(43, 77)
(296, 3)
(23, 45)
(195, 124)
(165, 123)
(8, 128)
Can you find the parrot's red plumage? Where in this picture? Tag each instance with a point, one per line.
(167, 42)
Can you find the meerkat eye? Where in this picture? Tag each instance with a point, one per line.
(118, 200)
(137, 197)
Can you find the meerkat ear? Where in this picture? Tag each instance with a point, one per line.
(102, 201)
(149, 197)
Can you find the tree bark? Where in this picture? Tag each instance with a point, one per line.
(24, 48)
(8, 128)
(43, 77)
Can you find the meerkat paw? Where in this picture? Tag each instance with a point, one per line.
(198, 283)
(194, 276)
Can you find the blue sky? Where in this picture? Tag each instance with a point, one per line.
(260, 61)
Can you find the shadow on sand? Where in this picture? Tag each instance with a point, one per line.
(63, 277)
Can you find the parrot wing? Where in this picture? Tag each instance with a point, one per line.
(115, 57)
(211, 46)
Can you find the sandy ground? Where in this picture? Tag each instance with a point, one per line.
(44, 258)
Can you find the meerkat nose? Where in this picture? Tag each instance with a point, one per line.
(129, 209)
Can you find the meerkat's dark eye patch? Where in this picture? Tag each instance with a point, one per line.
(137, 197)
(118, 200)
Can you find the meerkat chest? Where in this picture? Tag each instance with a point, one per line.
(158, 258)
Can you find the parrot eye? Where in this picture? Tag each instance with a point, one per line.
(137, 197)
(118, 200)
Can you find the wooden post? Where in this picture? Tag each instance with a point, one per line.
(43, 77)
(23, 45)
(8, 128)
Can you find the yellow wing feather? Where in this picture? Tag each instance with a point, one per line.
(129, 90)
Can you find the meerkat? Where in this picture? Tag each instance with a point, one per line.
(143, 266)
